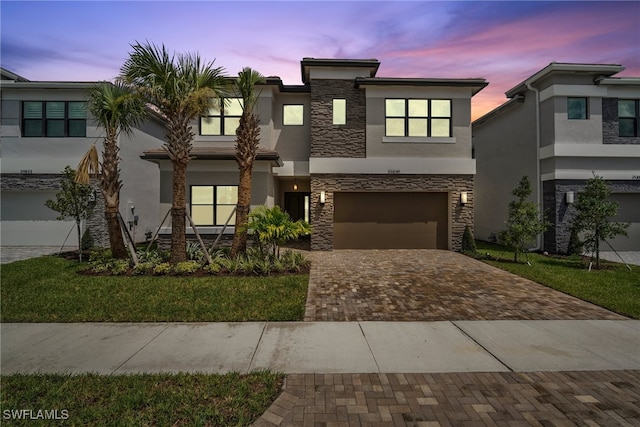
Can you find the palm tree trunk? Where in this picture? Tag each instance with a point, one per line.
(111, 191)
(178, 225)
(239, 245)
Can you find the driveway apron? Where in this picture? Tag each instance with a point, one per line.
(430, 285)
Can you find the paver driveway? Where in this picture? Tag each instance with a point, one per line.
(403, 285)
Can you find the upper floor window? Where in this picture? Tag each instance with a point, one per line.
(577, 108)
(223, 118)
(293, 115)
(54, 119)
(213, 204)
(418, 117)
(339, 111)
(629, 117)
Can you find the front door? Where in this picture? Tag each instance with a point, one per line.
(297, 205)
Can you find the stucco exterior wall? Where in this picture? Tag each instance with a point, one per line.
(505, 151)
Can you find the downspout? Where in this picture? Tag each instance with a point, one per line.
(539, 240)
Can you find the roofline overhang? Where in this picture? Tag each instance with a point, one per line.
(516, 100)
(618, 81)
(475, 84)
(12, 76)
(8, 84)
(597, 70)
(156, 156)
(371, 64)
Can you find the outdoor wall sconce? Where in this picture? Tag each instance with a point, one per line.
(295, 185)
(323, 197)
(570, 197)
(463, 198)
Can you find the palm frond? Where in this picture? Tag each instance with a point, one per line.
(88, 166)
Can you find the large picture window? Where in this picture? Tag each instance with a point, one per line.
(418, 117)
(629, 117)
(213, 204)
(223, 118)
(54, 119)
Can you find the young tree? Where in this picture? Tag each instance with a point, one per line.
(73, 201)
(524, 222)
(179, 88)
(117, 111)
(593, 216)
(247, 142)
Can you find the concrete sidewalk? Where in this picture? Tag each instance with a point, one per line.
(322, 347)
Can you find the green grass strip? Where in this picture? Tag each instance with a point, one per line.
(48, 289)
(138, 400)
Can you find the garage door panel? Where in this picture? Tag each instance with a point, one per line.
(369, 235)
(390, 220)
(629, 212)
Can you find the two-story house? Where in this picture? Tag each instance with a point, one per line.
(45, 126)
(371, 162)
(559, 127)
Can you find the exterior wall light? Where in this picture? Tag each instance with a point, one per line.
(570, 196)
(323, 197)
(463, 198)
(295, 186)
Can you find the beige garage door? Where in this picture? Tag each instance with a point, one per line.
(390, 221)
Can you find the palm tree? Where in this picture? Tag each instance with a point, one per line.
(116, 110)
(179, 88)
(247, 142)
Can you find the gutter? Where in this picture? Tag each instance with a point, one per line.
(539, 240)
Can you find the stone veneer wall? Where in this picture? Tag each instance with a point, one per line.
(322, 215)
(610, 124)
(41, 182)
(327, 139)
(560, 214)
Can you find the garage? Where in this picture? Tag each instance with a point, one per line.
(383, 220)
(629, 212)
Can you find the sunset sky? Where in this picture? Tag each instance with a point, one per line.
(503, 41)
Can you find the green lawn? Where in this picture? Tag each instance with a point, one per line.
(613, 287)
(48, 289)
(140, 400)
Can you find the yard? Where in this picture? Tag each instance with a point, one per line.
(49, 289)
(613, 287)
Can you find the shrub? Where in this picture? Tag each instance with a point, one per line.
(119, 266)
(468, 242)
(194, 252)
(162, 268)
(87, 240)
(187, 267)
(293, 260)
(145, 267)
(272, 227)
(213, 268)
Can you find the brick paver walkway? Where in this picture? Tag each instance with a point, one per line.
(609, 398)
(405, 285)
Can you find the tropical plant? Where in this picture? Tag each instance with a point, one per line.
(524, 221)
(74, 200)
(593, 216)
(273, 227)
(117, 110)
(247, 142)
(180, 88)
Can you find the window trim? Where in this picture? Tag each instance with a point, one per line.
(429, 117)
(216, 222)
(222, 116)
(66, 120)
(284, 106)
(586, 108)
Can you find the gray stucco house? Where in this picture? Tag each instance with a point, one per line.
(44, 127)
(559, 126)
(370, 162)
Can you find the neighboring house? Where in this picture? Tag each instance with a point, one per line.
(561, 125)
(45, 127)
(369, 162)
